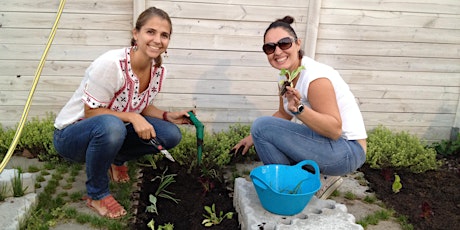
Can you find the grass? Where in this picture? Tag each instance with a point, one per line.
(55, 206)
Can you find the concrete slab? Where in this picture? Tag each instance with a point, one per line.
(318, 214)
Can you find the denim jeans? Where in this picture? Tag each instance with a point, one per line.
(105, 139)
(279, 141)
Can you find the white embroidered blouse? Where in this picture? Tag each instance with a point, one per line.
(109, 82)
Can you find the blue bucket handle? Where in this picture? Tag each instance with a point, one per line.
(308, 162)
(266, 186)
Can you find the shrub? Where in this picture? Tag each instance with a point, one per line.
(216, 147)
(399, 150)
(36, 136)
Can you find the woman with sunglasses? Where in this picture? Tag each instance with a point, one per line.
(318, 118)
(112, 114)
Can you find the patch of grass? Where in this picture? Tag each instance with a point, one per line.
(336, 193)
(33, 169)
(16, 184)
(3, 191)
(373, 219)
(350, 196)
(370, 199)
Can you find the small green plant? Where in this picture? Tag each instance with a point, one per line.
(165, 181)
(211, 218)
(396, 184)
(168, 226)
(291, 76)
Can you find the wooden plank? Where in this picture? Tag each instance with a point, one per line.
(13, 68)
(14, 37)
(217, 58)
(407, 106)
(388, 33)
(74, 21)
(56, 52)
(386, 48)
(401, 78)
(353, 62)
(408, 119)
(422, 6)
(406, 92)
(277, 3)
(427, 134)
(195, 10)
(388, 18)
(227, 27)
(47, 6)
(311, 36)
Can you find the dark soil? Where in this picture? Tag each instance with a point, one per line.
(430, 200)
(190, 189)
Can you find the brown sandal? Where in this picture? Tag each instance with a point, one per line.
(121, 173)
(113, 209)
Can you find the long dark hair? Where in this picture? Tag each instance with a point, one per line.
(285, 23)
(144, 17)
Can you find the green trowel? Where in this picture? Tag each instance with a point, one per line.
(199, 135)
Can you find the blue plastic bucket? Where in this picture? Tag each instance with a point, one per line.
(284, 189)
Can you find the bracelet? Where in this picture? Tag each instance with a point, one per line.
(165, 116)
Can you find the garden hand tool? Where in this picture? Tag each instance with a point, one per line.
(199, 134)
(156, 144)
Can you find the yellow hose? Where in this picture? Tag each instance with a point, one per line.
(32, 91)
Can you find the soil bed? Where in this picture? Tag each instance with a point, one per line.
(188, 213)
(430, 200)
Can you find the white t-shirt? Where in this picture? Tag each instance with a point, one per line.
(109, 82)
(352, 121)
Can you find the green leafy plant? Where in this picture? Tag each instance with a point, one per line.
(396, 187)
(211, 218)
(387, 149)
(168, 226)
(165, 181)
(291, 76)
(447, 147)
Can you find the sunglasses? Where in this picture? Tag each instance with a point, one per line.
(283, 43)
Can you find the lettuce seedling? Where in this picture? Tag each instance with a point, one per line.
(291, 76)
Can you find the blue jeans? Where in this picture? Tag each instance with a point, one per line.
(279, 141)
(105, 139)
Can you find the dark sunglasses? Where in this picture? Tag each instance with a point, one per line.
(283, 43)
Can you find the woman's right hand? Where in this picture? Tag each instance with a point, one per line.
(142, 127)
(243, 146)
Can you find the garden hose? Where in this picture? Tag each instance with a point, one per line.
(199, 135)
(25, 113)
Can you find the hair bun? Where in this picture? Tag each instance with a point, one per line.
(287, 19)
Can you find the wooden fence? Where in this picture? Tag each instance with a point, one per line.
(401, 59)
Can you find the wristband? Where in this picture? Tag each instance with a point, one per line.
(165, 116)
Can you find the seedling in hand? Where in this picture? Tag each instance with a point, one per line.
(291, 76)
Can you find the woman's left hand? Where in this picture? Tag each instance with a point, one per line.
(180, 117)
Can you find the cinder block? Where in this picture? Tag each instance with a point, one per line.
(318, 214)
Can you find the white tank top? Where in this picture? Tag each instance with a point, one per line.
(352, 121)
